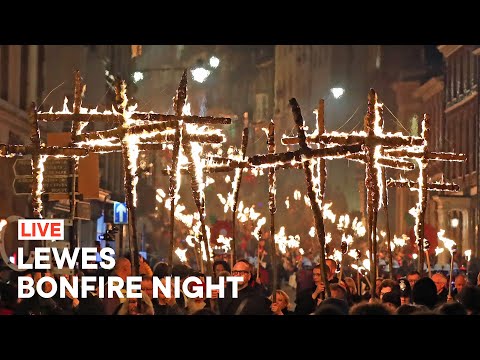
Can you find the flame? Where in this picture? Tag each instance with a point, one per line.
(39, 189)
(328, 238)
(161, 193)
(348, 239)
(283, 241)
(337, 255)
(181, 253)
(297, 195)
(438, 250)
(448, 243)
(227, 179)
(468, 254)
(366, 264)
(191, 240)
(301, 251)
(287, 203)
(352, 253)
(65, 106)
(414, 256)
(413, 211)
(225, 241)
(262, 221)
(327, 213)
(312, 232)
(400, 241)
(307, 201)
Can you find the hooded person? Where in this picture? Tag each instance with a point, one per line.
(424, 292)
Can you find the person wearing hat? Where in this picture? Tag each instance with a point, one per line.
(405, 291)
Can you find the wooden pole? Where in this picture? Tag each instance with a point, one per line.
(452, 253)
(236, 190)
(180, 97)
(129, 184)
(317, 210)
(272, 189)
(422, 194)
(75, 130)
(387, 223)
(428, 264)
(371, 184)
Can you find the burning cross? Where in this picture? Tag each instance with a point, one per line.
(302, 159)
(423, 155)
(375, 157)
(153, 132)
(39, 153)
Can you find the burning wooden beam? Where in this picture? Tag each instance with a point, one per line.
(317, 210)
(272, 189)
(236, 191)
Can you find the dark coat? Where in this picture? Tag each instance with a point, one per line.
(248, 302)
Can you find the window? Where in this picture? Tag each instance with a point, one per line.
(466, 72)
(458, 80)
(261, 111)
(24, 73)
(4, 58)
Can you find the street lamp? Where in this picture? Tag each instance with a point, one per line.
(454, 222)
(200, 74)
(137, 76)
(214, 62)
(337, 92)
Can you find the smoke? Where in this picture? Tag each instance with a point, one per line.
(203, 106)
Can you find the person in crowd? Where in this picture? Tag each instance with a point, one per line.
(451, 308)
(386, 286)
(219, 266)
(38, 305)
(470, 298)
(460, 281)
(166, 304)
(405, 291)
(424, 292)
(332, 267)
(8, 299)
(249, 301)
(413, 277)
(440, 281)
(199, 302)
(392, 300)
(282, 303)
(308, 299)
(353, 295)
(122, 269)
(161, 269)
(370, 309)
(409, 309)
(130, 306)
(182, 271)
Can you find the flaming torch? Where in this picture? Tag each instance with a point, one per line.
(452, 247)
(468, 254)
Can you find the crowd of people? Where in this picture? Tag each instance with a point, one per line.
(402, 295)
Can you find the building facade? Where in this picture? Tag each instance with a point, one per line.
(44, 74)
(459, 212)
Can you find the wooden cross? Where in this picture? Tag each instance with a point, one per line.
(129, 137)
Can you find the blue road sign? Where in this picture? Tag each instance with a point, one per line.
(120, 213)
